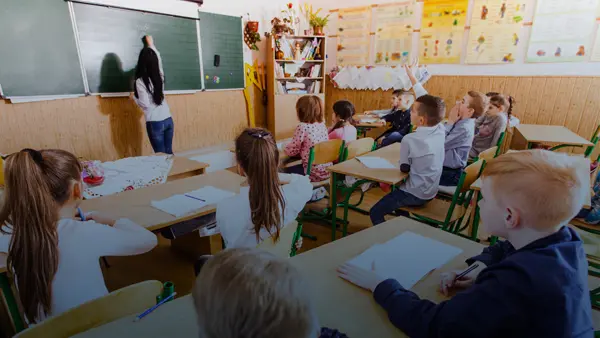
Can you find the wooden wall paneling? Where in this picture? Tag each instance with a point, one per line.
(111, 128)
(498, 84)
(534, 100)
(521, 97)
(562, 101)
(590, 117)
(510, 86)
(548, 98)
(577, 103)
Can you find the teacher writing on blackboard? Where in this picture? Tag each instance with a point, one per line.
(149, 96)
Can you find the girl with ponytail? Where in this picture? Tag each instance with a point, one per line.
(53, 255)
(270, 200)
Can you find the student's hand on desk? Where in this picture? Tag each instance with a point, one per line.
(449, 283)
(368, 112)
(360, 277)
(99, 218)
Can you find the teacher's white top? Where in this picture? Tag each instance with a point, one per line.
(79, 277)
(152, 112)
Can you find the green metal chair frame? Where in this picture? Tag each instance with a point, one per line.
(458, 199)
(589, 150)
(313, 215)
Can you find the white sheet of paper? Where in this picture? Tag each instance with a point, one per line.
(376, 162)
(178, 205)
(407, 258)
(211, 194)
(368, 120)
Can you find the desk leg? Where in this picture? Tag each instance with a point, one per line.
(216, 244)
(11, 303)
(474, 224)
(519, 142)
(333, 195)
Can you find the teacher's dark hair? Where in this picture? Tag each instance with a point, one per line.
(148, 70)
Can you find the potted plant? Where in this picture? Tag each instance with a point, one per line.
(281, 27)
(251, 34)
(317, 22)
(293, 20)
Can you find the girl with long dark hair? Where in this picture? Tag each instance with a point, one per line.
(150, 97)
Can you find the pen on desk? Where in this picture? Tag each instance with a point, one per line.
(192, 197)
(464, 273)
(150, 310)
(81, 214)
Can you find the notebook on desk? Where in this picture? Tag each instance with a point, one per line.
(406, 258)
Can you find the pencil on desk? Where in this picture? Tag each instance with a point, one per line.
(150, 310)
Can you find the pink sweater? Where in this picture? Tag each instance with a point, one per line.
(347, 133)
(305, 137)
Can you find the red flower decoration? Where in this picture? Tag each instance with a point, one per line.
(290, 5)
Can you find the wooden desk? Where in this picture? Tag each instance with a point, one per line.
(135, 204)
(388, 176)
(356, 169)
(339, 304)
(527, 134)
(183, 167)
(364, 127)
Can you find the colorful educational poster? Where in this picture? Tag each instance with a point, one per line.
(495, 31)
(442, 31)
(393, 32)
(562, 30)
(354, 36)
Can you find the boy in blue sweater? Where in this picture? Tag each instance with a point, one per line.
(532, 285)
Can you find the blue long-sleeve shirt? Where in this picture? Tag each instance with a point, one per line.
(459, 138)
(539, 290)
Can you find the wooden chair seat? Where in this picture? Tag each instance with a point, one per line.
(437, 210)
(132, 299)
(595, 229)
(447, 190)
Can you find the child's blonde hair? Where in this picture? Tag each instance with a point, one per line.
(251, 293)
(549, 188)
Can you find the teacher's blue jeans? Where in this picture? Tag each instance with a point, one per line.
(391, 202)
(161, 135)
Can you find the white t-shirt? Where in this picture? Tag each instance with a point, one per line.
(152, 112)
(234, 218)
(79, 277)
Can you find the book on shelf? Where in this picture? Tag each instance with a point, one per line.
(315, 71)
(297, 92)
(308, 48)
(315, 87)
(295, 85)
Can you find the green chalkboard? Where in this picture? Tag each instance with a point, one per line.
(222, 35)
(111, 39)
(38, 53)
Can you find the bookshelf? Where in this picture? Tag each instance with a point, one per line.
(295, 67)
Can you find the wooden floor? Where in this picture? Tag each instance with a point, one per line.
(163, 264)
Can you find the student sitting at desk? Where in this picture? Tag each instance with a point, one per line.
(460, 131)
(490, 126)
(252, 293)
(55, 256)
(269, 202)
(535, 284)
(421, 154)
(398, 116)
(310, 131)
(343, 128)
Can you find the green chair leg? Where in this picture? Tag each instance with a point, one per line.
(11, 302)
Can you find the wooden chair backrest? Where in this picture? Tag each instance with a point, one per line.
(327, 152)
(488, 154)
(127, 301)
(283, 247)
(472, 173)
(359, 147)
